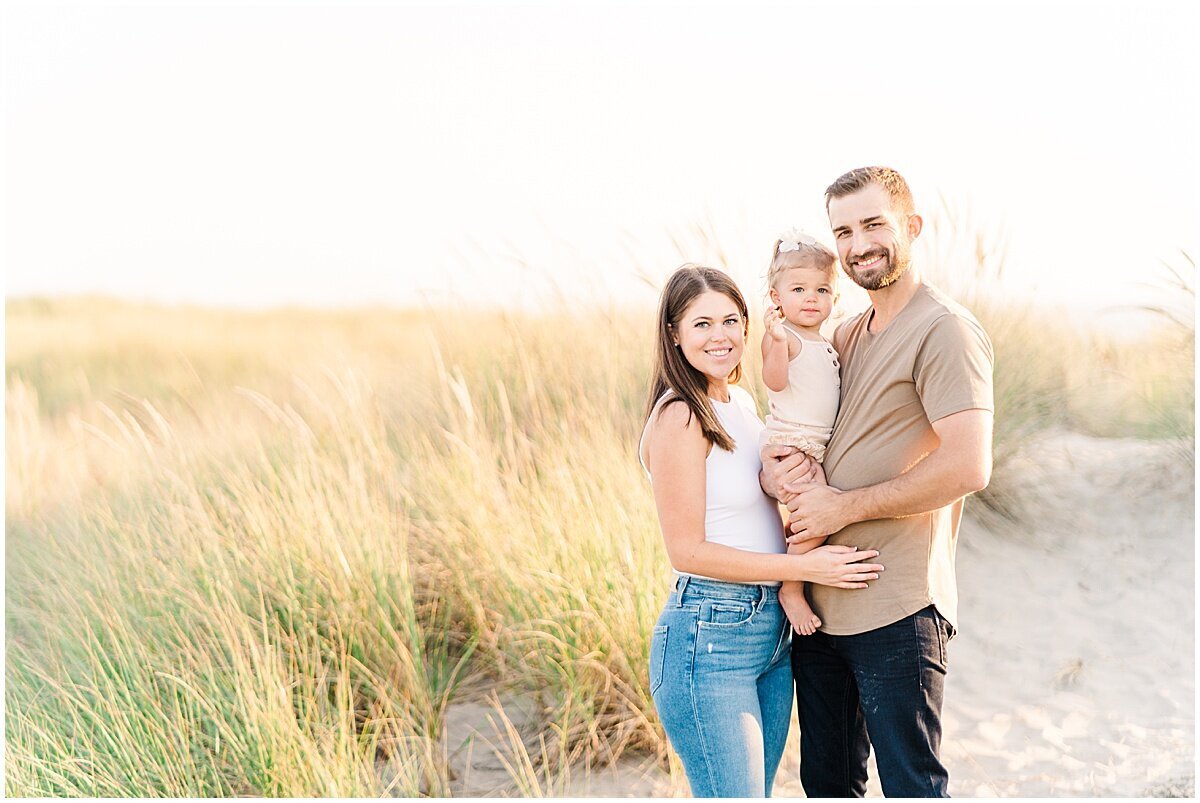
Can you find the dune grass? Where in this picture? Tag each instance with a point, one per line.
(262, 553)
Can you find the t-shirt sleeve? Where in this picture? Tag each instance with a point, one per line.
(953, 369)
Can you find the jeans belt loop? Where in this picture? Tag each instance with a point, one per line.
(680, 584)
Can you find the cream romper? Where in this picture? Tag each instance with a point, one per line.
(802, 414)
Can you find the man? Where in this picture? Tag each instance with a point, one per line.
(912, 438)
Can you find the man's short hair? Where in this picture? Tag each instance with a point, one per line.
(886, 177)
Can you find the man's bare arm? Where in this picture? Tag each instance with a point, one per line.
(961, 464)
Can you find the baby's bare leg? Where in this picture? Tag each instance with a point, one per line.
(793, 596)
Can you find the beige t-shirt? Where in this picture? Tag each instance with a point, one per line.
(932, 360)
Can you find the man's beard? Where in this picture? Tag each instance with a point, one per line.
(893, 268)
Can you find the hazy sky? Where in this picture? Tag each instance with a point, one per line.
(299, 154)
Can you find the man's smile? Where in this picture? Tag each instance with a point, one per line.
(869, 261)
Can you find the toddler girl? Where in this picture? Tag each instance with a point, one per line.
(800, 369)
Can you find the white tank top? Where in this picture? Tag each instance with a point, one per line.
(737, 512)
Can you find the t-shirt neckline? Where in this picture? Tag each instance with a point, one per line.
(871, 315)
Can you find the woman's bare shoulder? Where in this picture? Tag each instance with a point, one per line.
(674, 417)
(674, 438)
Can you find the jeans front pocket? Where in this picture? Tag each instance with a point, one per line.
(658, 654)
(726, 613)
(949, 628)
(946, 632)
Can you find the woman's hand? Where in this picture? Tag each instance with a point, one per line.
(773, 321)
(839, 566)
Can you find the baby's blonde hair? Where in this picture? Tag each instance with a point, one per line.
(800, 251)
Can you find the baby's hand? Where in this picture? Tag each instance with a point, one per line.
(773, 320)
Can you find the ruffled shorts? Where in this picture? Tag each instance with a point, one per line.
(810, 440)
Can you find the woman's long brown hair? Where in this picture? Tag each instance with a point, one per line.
(672, 371)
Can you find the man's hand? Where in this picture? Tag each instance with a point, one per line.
(786, 468)
(817, 511)
(961, 464)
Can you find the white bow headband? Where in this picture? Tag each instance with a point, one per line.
(792, 239)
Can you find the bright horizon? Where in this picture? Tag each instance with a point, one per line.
(543, 154)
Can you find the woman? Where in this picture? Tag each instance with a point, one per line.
(720, 672)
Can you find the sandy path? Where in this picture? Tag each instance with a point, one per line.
(1073, 674)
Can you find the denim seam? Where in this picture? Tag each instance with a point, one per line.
(712, 782)
(921, 682)
(917, 650)
(846, 770)
(662, 658)
(779, 644)
(941, 633)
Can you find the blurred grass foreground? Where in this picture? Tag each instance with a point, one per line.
(267, 553)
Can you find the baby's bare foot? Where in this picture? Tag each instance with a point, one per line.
(803, 620)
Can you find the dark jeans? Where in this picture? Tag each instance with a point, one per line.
(881, 688)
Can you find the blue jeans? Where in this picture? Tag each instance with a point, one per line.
(722, 684)
(881, 688)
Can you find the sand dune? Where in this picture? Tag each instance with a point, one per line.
(1073, 673)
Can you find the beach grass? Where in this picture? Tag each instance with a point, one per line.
(265, 553)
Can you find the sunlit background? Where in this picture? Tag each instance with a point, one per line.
(404, 547)
(547, 154)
